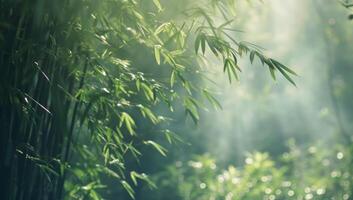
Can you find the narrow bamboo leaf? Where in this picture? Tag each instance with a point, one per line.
(235, 58)
(197, 43)
(157, 3)
(172, 136)
(133, 150)
(225, 65)
(129, 189)
(138, 84)
(193, 114)
(133, 175)
(146, 112)
(211, 44)
(280, 65)
(271, 68)
(88, 186)
(272, 71)
(111, 172)
(252, 55)
(225, 24)
(229, 73)
(157, 54)
(48, 169)
(242, 48)
(93, 194)
(129, 123)
(172, 79)
(232, 67)
(148, 91)
(261, 57)
(286, 76)
(203, 44)
(157, 146)
(234, 64)
(212, 99)
(106, 155)
(162, 27)
(169, 138)
(117, 162)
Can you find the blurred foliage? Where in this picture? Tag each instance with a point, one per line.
(312, 173)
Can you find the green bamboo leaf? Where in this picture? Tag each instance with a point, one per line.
(191, 109)
(203, 44)
(212, 46)
(234, 64)
(233, 67)
(129, 189)
(133, 176)
(88, 186)
(229, 74)
(162, 27)
(225, 24)
(252, 55)
(272, 71)
(147, 91)
(157, 146)
(106, 153)
(136, 153)
(138, 84)
(93, 194)
(235, 58)
(281, 68)
(242, 48)
(172, 78)
(46, 168)
(197, 43)
(146, 112)
(193, 114)
(212, 99)
(261, 57)
(171, 136)
(225, 65)
(110, 172)
(157, 3)
(157, 53)
(129, 123)
(286, 76)
(280, 65)
(271, 68)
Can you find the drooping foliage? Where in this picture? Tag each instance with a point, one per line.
(75, 86)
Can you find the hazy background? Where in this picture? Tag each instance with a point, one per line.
(262, 114)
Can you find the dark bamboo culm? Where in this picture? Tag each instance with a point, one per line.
(36, 118)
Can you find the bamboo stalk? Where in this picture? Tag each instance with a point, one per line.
(72, 125)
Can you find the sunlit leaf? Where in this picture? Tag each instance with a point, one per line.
(128, 188)
(158, 5)
(157, 146)
(157, 54)
(129, 123)
(212, 99)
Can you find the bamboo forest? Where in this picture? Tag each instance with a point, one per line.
(176, 99)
